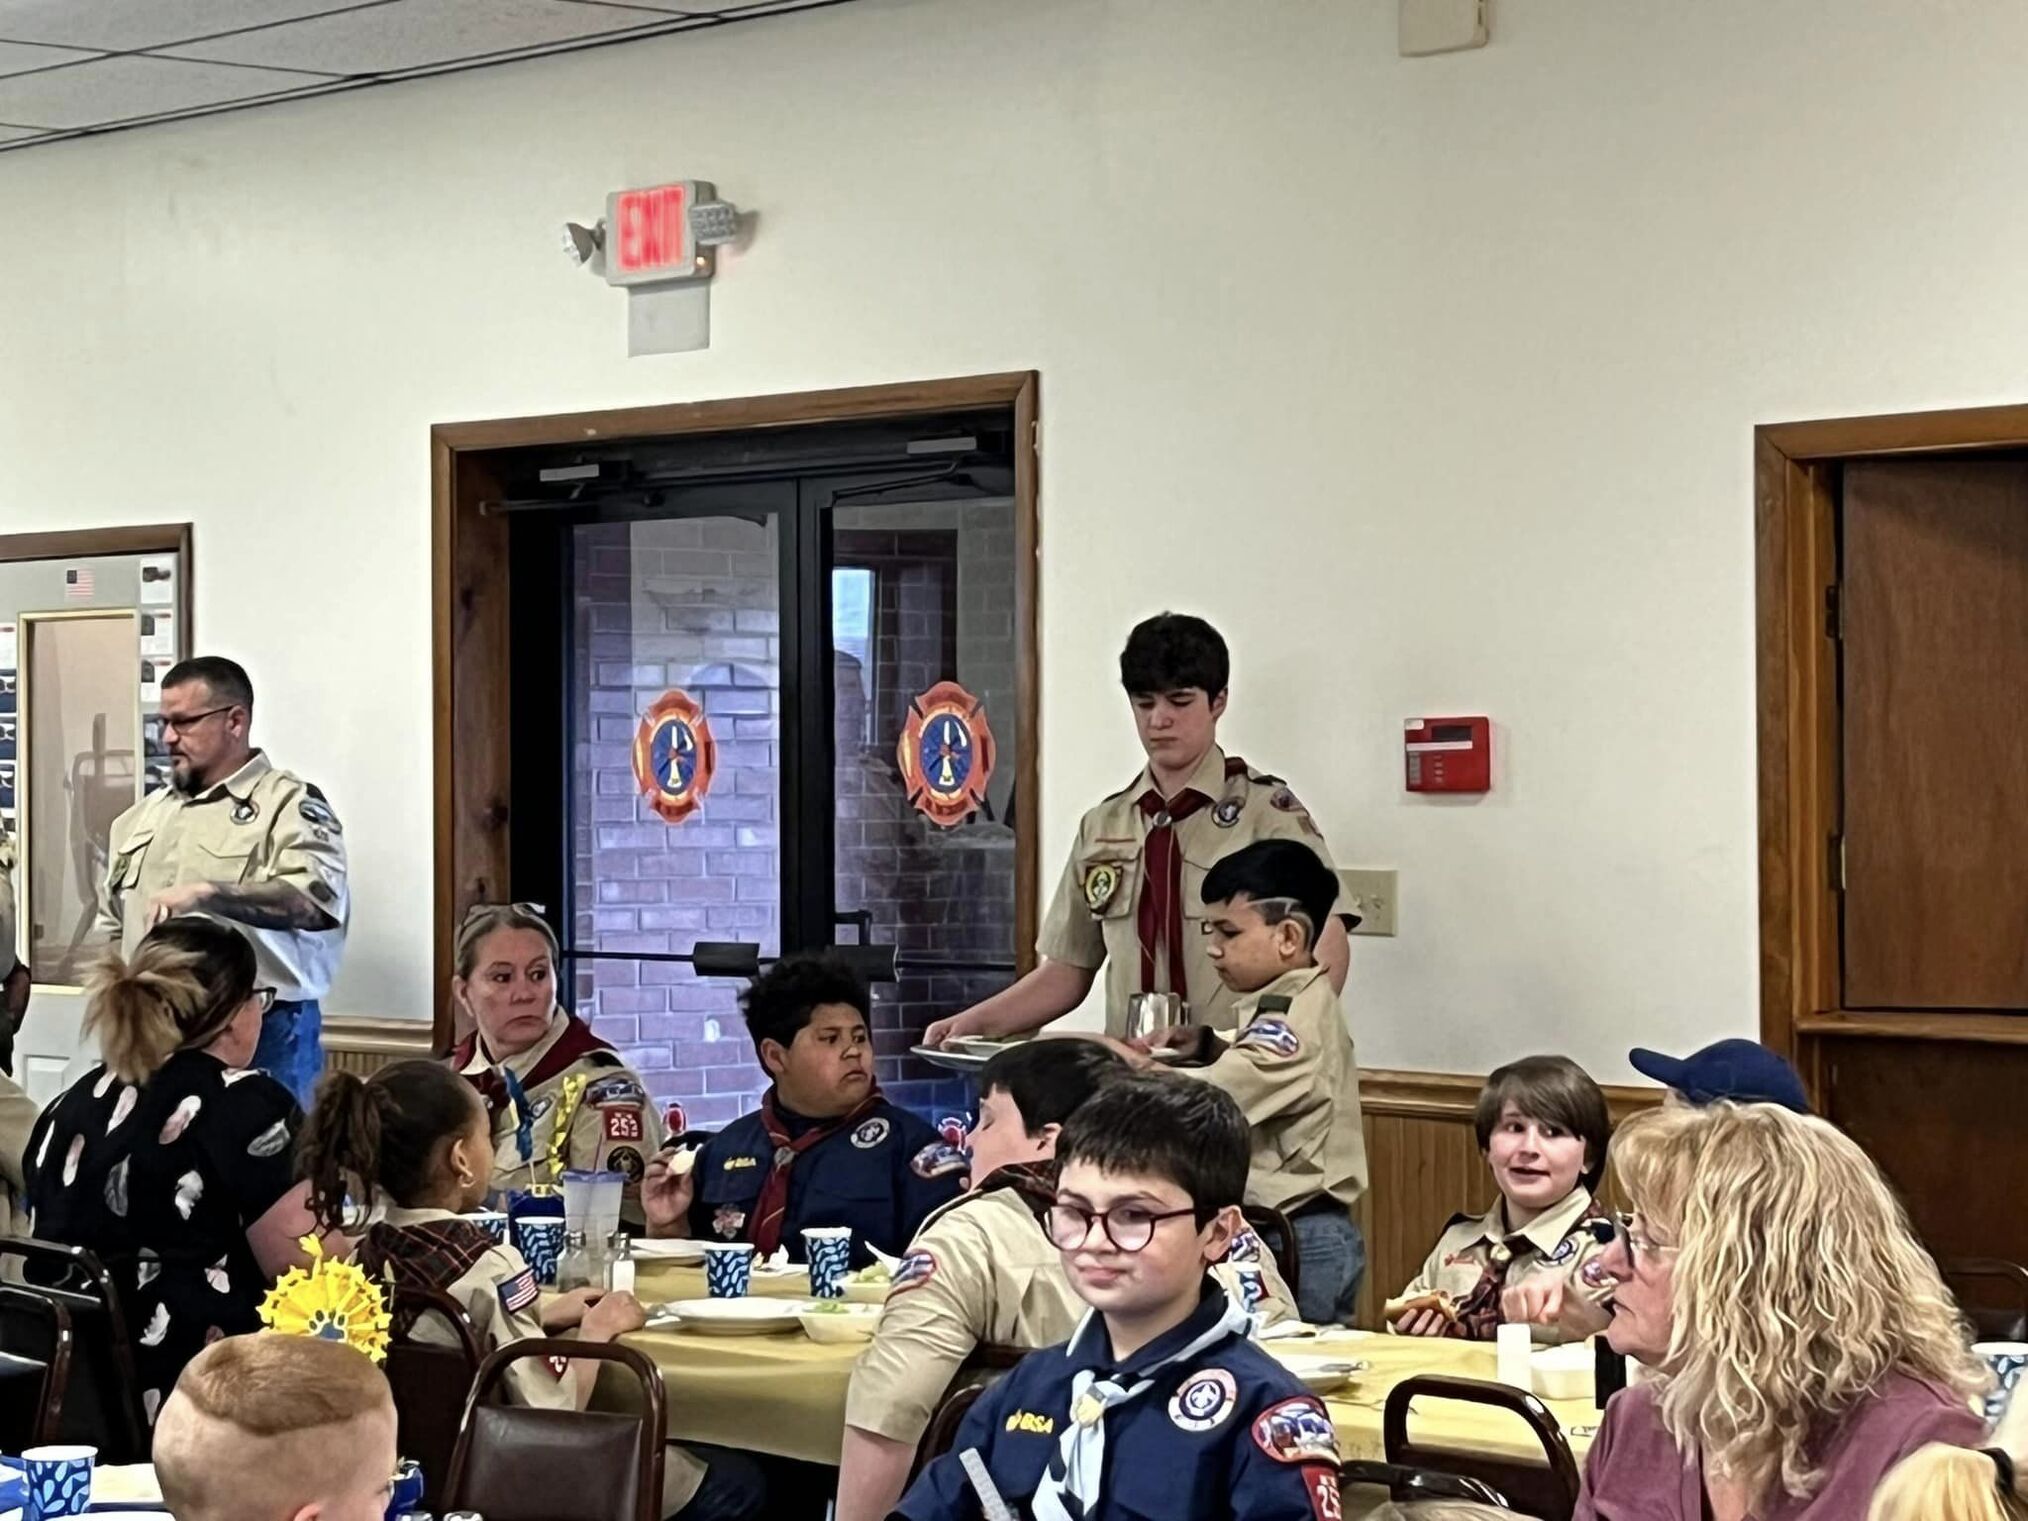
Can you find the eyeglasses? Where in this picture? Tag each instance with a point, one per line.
(191, 722)
(1129, 1228)
(1620, 1229)
(265, 997)
(479, 910)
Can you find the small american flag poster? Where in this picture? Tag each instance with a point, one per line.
(78, 583)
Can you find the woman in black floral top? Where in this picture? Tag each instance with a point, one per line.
(170, 1161)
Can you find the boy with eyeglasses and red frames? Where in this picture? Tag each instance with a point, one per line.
(1158, 1405)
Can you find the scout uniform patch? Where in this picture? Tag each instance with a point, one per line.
(871, 1134)
(1297, 1431)
(913, 1271)
(1101, 882)
(938, 1159)
(1203, 1400)
(1273, 1035)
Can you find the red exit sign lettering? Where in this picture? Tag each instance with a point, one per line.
(648, 235)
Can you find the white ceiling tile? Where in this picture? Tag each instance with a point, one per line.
(17, 134)
(122, 89)
(121, 25)
(19, 58)
(417, 34)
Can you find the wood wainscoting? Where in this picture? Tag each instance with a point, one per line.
(363, 1046)
(1423, 1166)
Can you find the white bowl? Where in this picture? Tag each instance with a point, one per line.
(1564, 1373)
(860, 1292)
(849, 1322)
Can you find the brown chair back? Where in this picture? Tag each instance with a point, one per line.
(1993, 1295)
(1549, 1493)
(102, 1400)
(1405, 1485)
(34, 1367)
(1273, 1227)
(980, 1372)
(513, 1463)
(431, 1383)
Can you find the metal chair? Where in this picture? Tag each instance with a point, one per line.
(102, 1401)
(1532, 1489)
(1273, 1227)
(1404, 1484)
(431, 1383)
(1996, 1314)
(513, 1463)
(34, 1367)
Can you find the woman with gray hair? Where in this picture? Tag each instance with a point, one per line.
(1800, 1339)
(559, 1096)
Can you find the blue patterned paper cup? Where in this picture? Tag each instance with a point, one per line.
(829, 1248)
(492, 1221)
(2006, 1360)
(542, 1245)
(59, 1481)
(728, 1268)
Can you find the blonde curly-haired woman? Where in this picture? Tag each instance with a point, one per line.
(1800, 1340)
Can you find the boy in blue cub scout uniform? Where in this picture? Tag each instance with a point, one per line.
(824, 1148)
(1159, 1406)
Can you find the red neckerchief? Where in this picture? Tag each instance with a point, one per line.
(1161, 911)
(773, 1202)
(1035, 1182)
(574, 1044)
(1479, 1314)
(432, 1255)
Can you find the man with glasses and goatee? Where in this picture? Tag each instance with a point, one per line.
(238, 839)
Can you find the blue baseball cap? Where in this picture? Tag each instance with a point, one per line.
(1742, 1071)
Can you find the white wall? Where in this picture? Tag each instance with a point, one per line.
(1430, 381)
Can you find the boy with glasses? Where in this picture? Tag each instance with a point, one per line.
(1158, 1405)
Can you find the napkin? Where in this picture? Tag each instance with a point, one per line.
(776, 1261)
(1283, 1330)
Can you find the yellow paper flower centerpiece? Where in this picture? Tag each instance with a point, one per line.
(334, 1301)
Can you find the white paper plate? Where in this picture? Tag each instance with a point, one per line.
(739, 1317)
(1320, 1375)
(671, 1250)
(952, 1061)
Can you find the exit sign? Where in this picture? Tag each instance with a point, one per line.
(649, 238)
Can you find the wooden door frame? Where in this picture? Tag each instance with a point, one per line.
(1798, 718)
(471, 700)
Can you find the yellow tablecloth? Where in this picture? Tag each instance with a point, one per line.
(1356, 1408)
(784, 1394)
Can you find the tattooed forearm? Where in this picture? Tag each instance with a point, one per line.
(267, 905)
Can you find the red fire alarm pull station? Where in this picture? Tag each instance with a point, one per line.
(1450, 755)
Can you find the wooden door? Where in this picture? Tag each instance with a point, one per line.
(1933, 615)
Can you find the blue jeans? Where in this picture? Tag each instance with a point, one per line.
(291, 1049)
(734, 1487)
(1333, 1260)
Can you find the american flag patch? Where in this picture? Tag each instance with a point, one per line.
(519, 1292)
(78, 583)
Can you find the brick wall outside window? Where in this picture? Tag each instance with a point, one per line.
(692, 604)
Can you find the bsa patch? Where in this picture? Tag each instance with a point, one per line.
(940, 1159)
(619, 1089)
(871, 1134)
(1203, 1400)
(1101, 884)
(733, 1162)
(912, 1272)
(1226, 814)
(1297, 1431)
(519, 1292)
(627, 1162)
(1245, 1246)
(1322, 1484)
(620, 1122)
(245, 811)
(1565, 1250)
(541, 1107)
(726, 1223)
(317, 813)
(1031, 1423)
(1271, 1035)
(1286, 801)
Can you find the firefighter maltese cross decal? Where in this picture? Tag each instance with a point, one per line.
(946, 754)
(674, 756)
